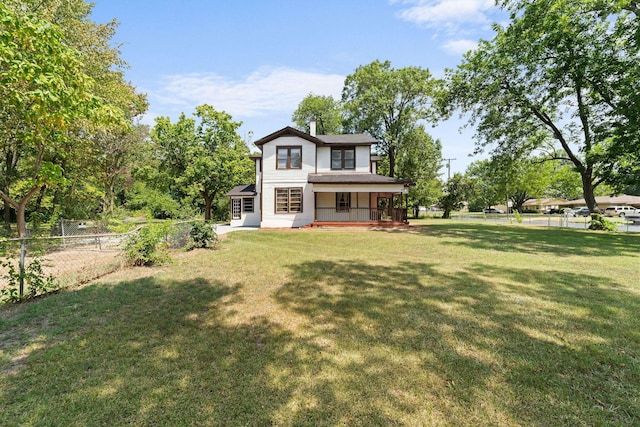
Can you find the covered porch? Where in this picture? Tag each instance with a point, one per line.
(360, 199)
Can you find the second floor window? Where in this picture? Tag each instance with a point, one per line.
(289, 157)
(343, 158)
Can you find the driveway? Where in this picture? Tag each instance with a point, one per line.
(226, 228)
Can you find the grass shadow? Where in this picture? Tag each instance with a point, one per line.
(145, 352)
(565, 353)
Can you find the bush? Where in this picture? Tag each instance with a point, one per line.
(34, 280)
(202, 235)
(148, 246)
(599, 222)
(517, 216)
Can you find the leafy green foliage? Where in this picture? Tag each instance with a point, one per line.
(202, 159)
(387, 103)
(152, 202)
(560, 71)
(202, 236)
(61, 86)
(600, 222)
(33, 277)
(455, 192)
(419, 160)
(324, 110)
(147, 246)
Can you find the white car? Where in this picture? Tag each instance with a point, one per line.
(493, 211)
(620, 211)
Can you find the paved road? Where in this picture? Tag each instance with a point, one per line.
(226, 228)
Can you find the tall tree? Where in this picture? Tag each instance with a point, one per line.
(205, 156)
(544, 75)
(456, 190)
(86, 87)
(515, 179)
(387, 103)
(419, 160)
(44, 92)
(324, 110)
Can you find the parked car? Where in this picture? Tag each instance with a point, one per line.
(550, 211)
(583, 211)
(620, 211)
(493, 211)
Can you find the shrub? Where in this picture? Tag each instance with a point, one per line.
(34, 280)
(202, 235)
(599, 222)
(148, 246)
(517, 216)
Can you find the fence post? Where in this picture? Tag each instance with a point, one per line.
(23, 252)
(64, 245)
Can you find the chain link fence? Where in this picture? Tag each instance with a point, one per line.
(83, 251)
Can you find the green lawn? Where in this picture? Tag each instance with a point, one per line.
(449, 323)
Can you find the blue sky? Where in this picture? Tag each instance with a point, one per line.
(257, 59)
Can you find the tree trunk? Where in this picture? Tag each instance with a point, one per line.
(21, 220)
(208, 201)
(587, 191)
(7, 215)
(392, 162)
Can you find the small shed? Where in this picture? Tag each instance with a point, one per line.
(245, 209)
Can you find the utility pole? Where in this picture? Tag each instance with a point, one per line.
(448, 168)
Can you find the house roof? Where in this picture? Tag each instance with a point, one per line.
(344, 139)
(625, 199)
(243, 190)
(347, 139)
(354, 178)
(544, 202)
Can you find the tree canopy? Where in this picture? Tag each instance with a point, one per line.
(387, 103)
(324, 110)
(203, 156)
(559, 71)
(61, 86)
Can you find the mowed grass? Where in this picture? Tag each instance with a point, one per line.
(449, 323)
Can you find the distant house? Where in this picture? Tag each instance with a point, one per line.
(605, 201)
(543, 205)
(304, 179)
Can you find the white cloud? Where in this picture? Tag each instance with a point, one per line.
(446, 13)
(265, 91)
(459, 47)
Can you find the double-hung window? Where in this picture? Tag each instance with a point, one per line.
(288, 200)
(343, 158)
(289, 157)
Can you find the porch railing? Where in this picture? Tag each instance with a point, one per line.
(361, 215)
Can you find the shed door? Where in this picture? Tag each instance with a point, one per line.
(235, 208)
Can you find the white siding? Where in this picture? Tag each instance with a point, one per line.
(363, 158)
(324, 159)
(247, 219)
(273, 178)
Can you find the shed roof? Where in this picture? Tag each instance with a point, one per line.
(243, 190)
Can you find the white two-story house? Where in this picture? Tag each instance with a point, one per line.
(306, 179)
